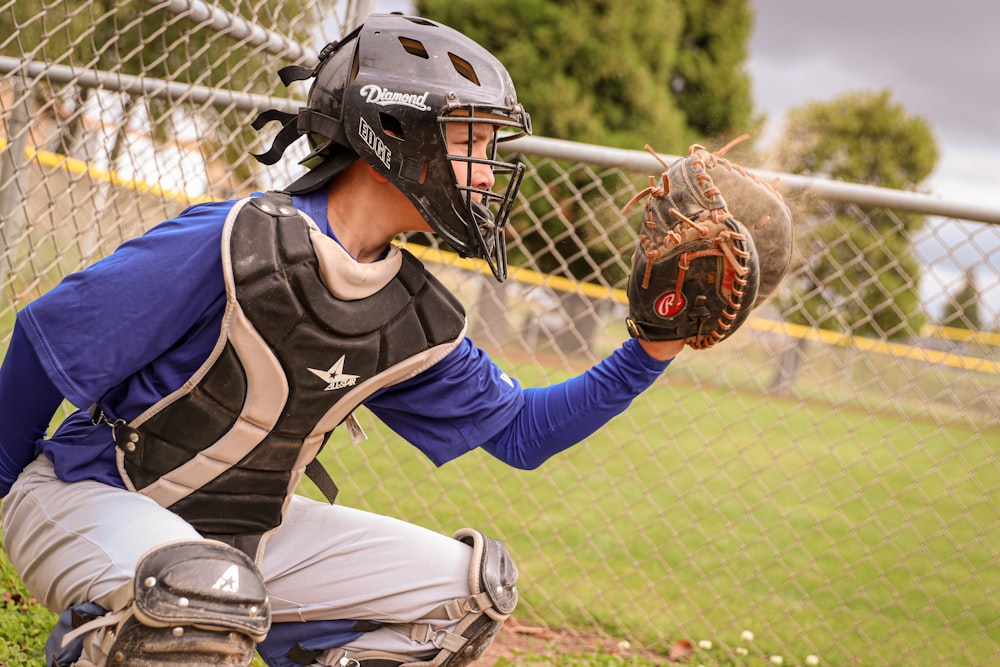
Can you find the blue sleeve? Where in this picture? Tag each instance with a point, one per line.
(452, 407)
(28, 399)
(466, 401)
(101, 325)
(555, 418)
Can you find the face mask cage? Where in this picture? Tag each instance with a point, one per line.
(486, 211)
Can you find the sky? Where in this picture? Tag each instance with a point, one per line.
(941, 62)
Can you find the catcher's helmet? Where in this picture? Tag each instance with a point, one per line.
(385, 93)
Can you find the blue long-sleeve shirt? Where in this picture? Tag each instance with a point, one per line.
(133, 327)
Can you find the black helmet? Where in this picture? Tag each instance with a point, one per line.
(385, 93)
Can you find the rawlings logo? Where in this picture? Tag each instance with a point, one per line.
(670, 304)
(382, 97)
(375, 143)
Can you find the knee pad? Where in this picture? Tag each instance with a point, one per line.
(493, 584)
(493, 575)
(493, 588)
(193, 602)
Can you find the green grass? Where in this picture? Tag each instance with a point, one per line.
(24, 624)
(852, 536)
(861, 538)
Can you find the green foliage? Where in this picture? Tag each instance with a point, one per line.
(861, 137)
(861, 275)
(24, 624)
(134, 38)
(582, 234)
(588, 70)
(869, 273)
(962, 309)
(710, 84)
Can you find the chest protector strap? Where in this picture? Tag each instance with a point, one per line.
(308, 334)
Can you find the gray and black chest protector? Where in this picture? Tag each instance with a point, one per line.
(308, 334)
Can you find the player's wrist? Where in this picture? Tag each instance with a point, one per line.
(661, 350)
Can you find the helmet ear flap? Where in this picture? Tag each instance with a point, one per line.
(293, 73)
(322, 127)
(285, 137)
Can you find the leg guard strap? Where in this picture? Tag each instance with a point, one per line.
(493, 596)
(456, 649)
(475, 622)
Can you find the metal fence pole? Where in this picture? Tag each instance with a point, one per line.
(357, 12)
(14, 177)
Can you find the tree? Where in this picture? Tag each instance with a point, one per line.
(664, 72)
(859, 273)
(962, 309)
(709, 82)
(586, 70)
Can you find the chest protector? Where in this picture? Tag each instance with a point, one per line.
(308, 334)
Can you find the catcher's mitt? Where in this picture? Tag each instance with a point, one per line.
(714, 242)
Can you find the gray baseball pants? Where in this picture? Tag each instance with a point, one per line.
(74, 543)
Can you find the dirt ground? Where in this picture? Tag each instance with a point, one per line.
(515, 639)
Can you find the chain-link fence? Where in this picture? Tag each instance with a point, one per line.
(827, 479)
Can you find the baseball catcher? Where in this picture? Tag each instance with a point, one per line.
(210, 358)
(714, 243)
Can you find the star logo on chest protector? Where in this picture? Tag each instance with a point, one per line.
(335, 377)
